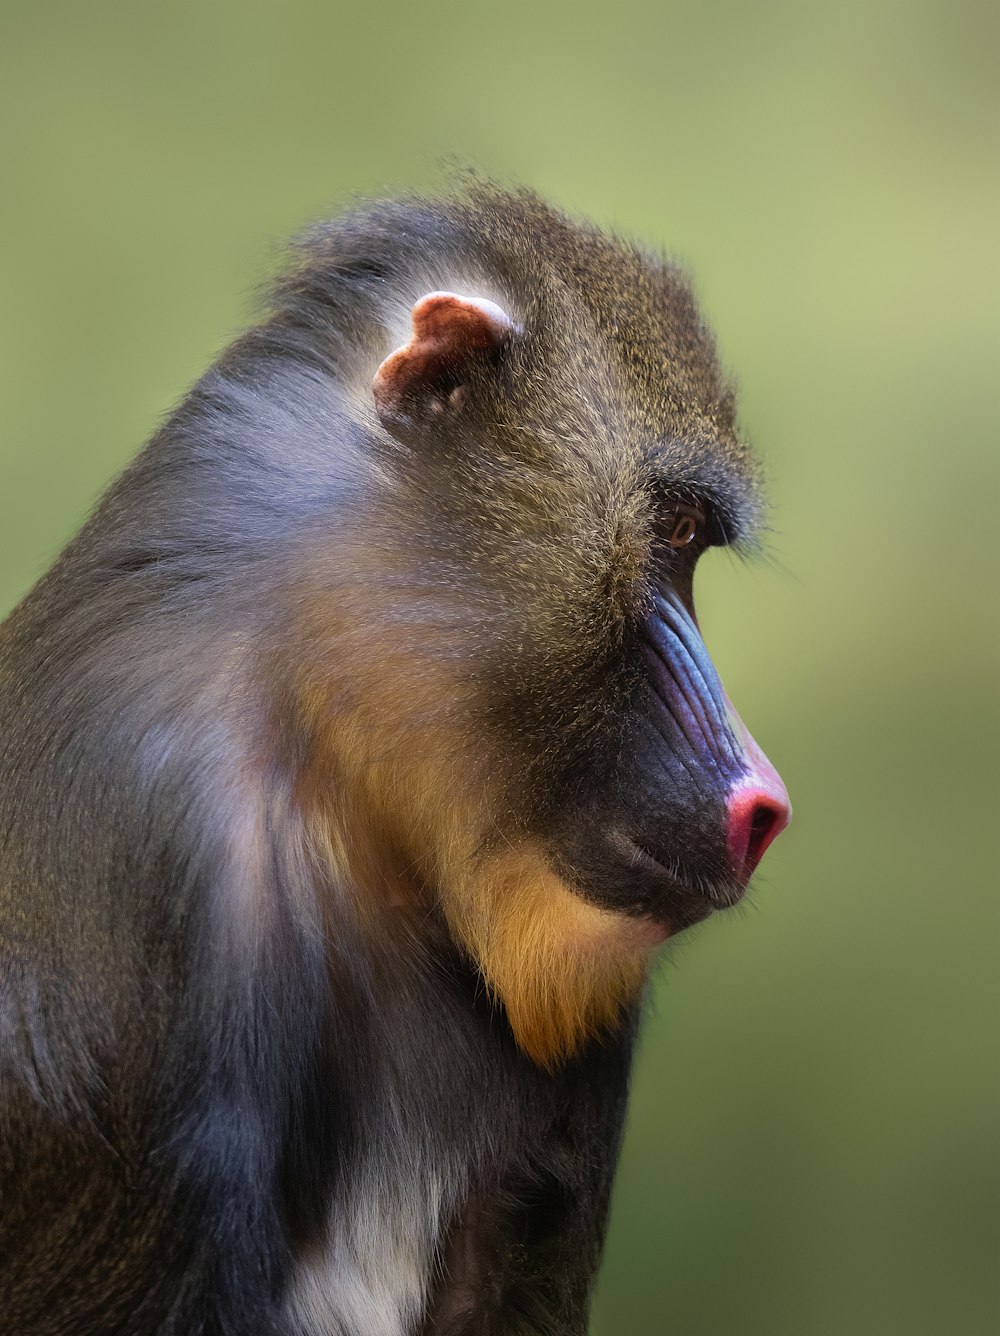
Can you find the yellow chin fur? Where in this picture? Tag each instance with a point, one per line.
(563, 968)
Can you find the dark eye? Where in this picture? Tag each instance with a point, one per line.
(685, 529)
(681, 523)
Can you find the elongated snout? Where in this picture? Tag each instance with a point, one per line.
(676, 828)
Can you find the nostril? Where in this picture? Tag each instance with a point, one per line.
(756, 819)
(763, 825)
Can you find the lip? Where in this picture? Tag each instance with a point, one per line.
(712, 897)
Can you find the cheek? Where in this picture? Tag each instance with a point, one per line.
(389, 788)
(688, 707)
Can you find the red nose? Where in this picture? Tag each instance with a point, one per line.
(758, 813)
(758, 806)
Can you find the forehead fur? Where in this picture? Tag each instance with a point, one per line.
(615, 352)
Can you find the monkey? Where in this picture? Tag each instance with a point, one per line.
(356, 757)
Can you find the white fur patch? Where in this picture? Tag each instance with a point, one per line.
(373, 1274)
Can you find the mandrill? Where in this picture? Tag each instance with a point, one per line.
(355, 758)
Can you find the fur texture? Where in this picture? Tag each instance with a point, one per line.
(318, 966)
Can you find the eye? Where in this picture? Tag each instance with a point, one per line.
(685, 529)
(681, 523)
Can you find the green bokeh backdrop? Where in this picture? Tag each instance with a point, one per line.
(812, 1144)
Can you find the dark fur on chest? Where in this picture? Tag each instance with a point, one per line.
(260, 1130)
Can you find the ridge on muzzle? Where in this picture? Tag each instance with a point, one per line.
(693, 803)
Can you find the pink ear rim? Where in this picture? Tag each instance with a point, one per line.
(448, 330)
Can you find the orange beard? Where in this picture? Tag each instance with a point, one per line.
(562, 967)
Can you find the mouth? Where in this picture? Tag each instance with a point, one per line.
(616, 870)
(694, 889)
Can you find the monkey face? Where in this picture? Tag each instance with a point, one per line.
(649, 793)
(588, 789)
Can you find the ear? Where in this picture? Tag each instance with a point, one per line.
(428, 374)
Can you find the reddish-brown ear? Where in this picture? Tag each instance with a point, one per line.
(427, 374)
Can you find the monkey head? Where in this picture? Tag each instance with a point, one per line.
(515, 725)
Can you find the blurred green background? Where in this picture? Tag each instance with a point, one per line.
(812, 1144)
